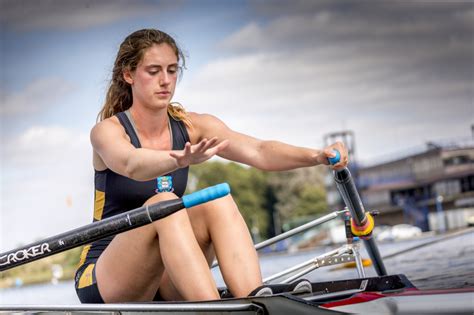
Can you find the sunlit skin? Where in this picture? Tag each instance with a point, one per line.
(173, 255)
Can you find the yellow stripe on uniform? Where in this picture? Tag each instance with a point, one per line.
(86, 277)
(84, 252)
(99, 204)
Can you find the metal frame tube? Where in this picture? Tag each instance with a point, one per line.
(299, 229)
(290, 233)
(313, 261)
(358, 260)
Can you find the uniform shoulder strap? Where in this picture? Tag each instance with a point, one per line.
(129, 128)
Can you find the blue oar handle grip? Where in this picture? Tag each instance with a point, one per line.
(336, 159)
(205, 195)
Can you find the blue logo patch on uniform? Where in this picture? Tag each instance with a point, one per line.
(164, 183)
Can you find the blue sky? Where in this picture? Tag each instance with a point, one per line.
(397, 73)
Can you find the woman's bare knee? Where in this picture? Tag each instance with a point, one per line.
(174, 219)
(172, 223)
(217, 211)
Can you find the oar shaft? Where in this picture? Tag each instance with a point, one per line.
(110, 226)
(88, 233)
(350, 195)
(346, 186)
(375, 256)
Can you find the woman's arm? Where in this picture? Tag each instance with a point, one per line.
(117, 153)
(264, 155)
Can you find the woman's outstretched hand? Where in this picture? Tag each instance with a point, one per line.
(198, 153)
(328, 152)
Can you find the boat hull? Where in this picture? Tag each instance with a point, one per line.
(393, 294)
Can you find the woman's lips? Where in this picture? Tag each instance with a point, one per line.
(163, 94)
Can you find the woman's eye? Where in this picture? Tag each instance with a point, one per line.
(172, 71)
(152, 72)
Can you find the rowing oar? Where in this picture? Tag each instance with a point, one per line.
(110, 226)
(362, 221)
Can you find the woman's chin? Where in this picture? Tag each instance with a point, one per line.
(159, 105)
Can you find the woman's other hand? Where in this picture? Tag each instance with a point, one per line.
(328, 152)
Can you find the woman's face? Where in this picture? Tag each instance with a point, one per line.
(154, 81)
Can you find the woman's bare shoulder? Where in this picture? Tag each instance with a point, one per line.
(109, 128)
(207, 126)
(108, 124)
(203, 125)
(203, 120)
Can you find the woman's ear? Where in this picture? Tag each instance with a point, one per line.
(127, 76)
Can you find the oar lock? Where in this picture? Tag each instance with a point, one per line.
(363, 230)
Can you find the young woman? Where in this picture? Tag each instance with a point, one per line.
(143, 146)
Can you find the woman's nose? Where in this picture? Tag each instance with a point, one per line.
(164, 78)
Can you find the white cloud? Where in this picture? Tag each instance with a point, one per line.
(46, 184)
(38, 96)
(300, 76)
(409, 36)
(30, 15)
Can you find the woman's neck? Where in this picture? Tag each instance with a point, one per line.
(150, 123)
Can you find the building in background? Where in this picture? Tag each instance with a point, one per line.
(432, 187)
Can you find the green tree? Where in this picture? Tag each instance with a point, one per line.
(299, 193)
(248, 188)
(312, 201)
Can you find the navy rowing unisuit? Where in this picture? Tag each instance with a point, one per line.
(116, 194)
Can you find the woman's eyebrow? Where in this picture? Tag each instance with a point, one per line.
(160, 66)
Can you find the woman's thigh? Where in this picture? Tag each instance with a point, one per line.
(221, 223)
(199, 224)
(201, 217)
(131, 266)
(209, 217)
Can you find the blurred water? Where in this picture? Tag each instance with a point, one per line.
(445, 264)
